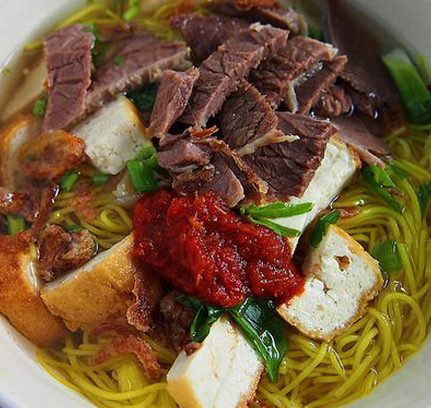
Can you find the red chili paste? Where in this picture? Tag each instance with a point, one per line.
(204, 249)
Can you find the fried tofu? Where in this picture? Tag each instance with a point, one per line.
(99, 290)
(341, 278)
(338, 167)
(19, 295)
(112, 135)
(222, 373)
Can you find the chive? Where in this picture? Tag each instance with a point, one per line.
(74, 228)
(414, 93)
(424, 195)
(119, 60)
(68, 181)
(15, 225)
(277, 228)
(142, 176)
(388, 256)
(100, 179)
(276, 210)
(322, 226)
(39, 108)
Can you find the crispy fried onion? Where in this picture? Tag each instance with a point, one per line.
(130, 343)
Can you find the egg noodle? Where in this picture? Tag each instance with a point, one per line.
(313, 374)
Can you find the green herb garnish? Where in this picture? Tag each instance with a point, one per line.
(276, 210)
(277, 228)
(132, 11)
(143, 170)
(258, 321)
(100, 179)
(15, 225)
(424, 195)
(119, 60)
(74, 227)
(68, 181)
(321, 228)
(99, 48)
(316, 33)
(39, 108)
(381, 183)
(144, 98)
(388, 256)
(413, 91)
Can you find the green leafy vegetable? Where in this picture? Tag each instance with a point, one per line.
(132, 11)
(68, 181)
(257, 319)
(424, 195)
(119, 60)
(414, 93)
(276, 210)
(277, 228)
(316, 33)
(143, 170)
(144, 98)
(388, 256)
(377, 180)
(423, 68)
(74, 227)
(39, 108)
(100, 179)
(321, 227)
(15, 225)
(99, 48)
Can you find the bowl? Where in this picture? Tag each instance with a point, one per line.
(23, 383)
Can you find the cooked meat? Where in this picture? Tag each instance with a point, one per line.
(176, 320)
(288, 167)
(364, 70)
(265, 11)
(222, 70)
(18, 204)
(19, 294)
(172, 97)
(82, 201)
(143, 58)
(334, 102)
(248, 121)
(204, 34)
(47, 157)
(68, 56)
(362, 102)
(370, 148)
(60, 251)
(312, 89)
(130, 343)
(277, 75)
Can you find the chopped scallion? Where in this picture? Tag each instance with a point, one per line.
(100, 179)
(39, 108)
(277, 228)
(142, 171)
(388, 256)
(15, 225)
(322, 226)
(68, 181)
(276, 210)
(119, 60)
(74, 227)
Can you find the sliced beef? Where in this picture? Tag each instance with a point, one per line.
(355, 133)
(143, 57)
(68, 58)
(172, 97)
(204, 34)
(309, 93)
(277, 76)
(248, 121)
(364, 71)
(266, 12)
(288, 167)
(334, 102)
(61, 251)
(222, 70)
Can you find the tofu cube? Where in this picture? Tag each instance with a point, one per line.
(19, 295)
(341, 278)
(112, 135)
(223, 373)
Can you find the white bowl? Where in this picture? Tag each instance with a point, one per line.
(23, 383)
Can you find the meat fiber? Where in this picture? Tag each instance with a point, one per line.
(204, 34)
(68, 57)
(172, 97)
(288, 167)
(334, 102)
(222, 70)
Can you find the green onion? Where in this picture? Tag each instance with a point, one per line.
(321, 228)
(119, 60)
(74, 228)
(276, 210)
(316, 33)
(39, 108)
(68, 181)
(423, 68)
(414, 93)
(424, 195)
(388, 256)
(99, 48)
(144, 98)
(142, 170)
(15, 225)
(100, 179)
(277, 228)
